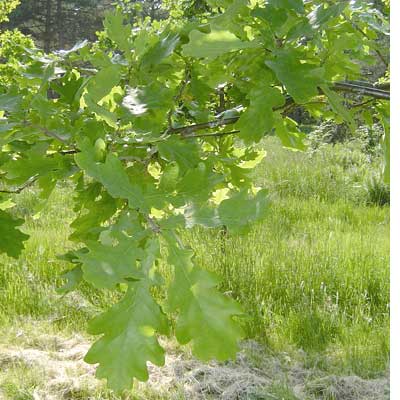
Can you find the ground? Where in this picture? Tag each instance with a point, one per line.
(50, 367)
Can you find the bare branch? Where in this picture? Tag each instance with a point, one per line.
(364, 90)
(214, 134)
(19, 189)
(370, 91)
(47, 132)
(188, 130)
(383, 86)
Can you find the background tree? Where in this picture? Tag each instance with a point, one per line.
(58, 23)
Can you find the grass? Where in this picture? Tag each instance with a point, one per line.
(313, 277)
(315, 274)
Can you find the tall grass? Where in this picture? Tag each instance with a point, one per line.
(315, 274)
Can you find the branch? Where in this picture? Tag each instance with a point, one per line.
(70, 151)
(214, 134)
(19, 189)
(370, 91)
(152, 224)
(356, 105)
(384, 86)
(51, 134)
(188, 130)
(48, 133)
(178, 97)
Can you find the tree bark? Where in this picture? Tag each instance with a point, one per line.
(60, 24)
(47, 28)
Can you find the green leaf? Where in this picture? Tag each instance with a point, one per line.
(335, 101)
(73, 277)
(77, 46)
(105, 266)
(109, 117)
(241, 209)
(150, 106)
(34, 162)
(295, 5)
(117, 30)
(169, 177)
(87, 226)
(161, 50)
(322, 14)
(214, 44)
(11, 239)
(184, 152)
(300, 79)
(258, 119)
(205, 316)
(300, 30)
(101, 84)
(290, 136)
(152, 253)
(203, 215)
(70, 87)
(274, 17)
(197, 183)
(10, 102)
(142, 99)
(129, 340)
(111, 174)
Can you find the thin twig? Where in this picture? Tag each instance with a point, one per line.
(70, 151)
(189, 129)
(362, 103)
(19, 189)
(182, 86)
(46, 132)
(214, 134)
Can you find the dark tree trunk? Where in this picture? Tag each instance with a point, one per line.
(60, 24)
(47, 28)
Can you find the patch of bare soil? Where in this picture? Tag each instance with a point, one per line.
(250, 376)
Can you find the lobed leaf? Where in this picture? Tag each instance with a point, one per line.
(205, 316)
(214, 44)
(129, 339)
(300, 79)
(11, 238)
(258, 119)
(104, 266)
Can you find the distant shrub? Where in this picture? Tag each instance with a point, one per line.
(330, 132)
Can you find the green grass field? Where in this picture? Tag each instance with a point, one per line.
(313, 277)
